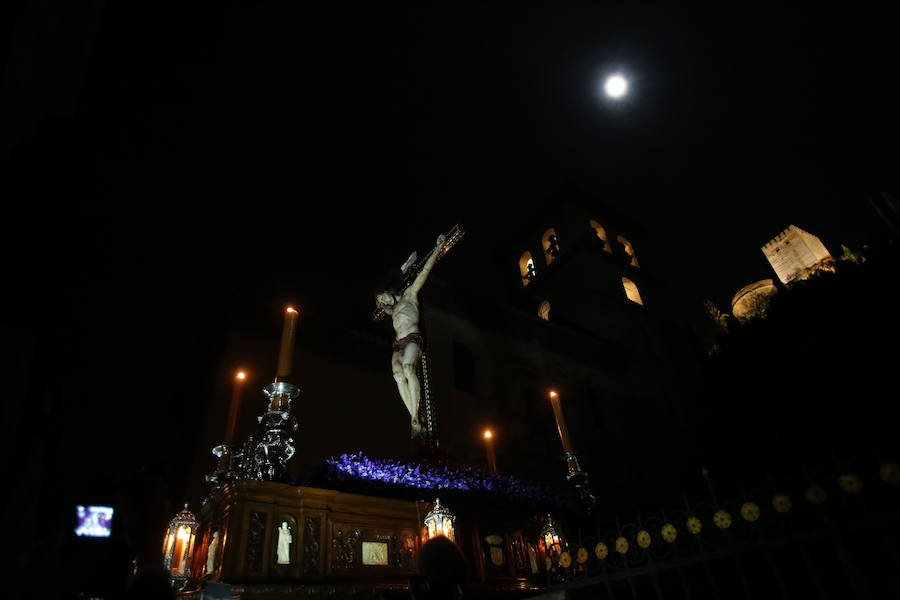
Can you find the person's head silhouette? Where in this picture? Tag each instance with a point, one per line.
(444, 571)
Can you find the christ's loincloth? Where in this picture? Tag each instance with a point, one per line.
(414, 337)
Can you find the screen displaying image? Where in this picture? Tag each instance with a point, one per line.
(94, 521)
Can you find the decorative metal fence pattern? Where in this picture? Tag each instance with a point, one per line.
(834, 538)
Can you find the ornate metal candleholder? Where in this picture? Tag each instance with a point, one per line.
(579, 479)
(228, 468)
(265, 454)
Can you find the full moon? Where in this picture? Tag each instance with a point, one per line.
(615, 86)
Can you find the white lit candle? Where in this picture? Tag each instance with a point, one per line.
(561, 422)
(178, 557)
(489, 447)
(286, 354)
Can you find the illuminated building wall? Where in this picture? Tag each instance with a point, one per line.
(745, 301)
(593, 279)
(793, 250)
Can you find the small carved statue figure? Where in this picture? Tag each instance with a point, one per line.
(497, 555)
(403, 309)
(529, 273)
(553, 245)
(532, 559)
(284, 544)
(211, 553)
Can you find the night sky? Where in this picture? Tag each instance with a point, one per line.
(227, 159)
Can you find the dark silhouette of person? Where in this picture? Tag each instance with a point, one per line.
(146, 511)
(444, 572)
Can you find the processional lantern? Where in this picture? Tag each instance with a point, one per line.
(178, 546)
(440, 522)
(551, 538)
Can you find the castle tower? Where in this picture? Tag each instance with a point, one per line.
(793, 250)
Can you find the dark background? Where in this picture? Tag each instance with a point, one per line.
(201, 166)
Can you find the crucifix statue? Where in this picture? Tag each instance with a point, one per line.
(402, 305)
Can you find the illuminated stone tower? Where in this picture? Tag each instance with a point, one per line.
(793, 250)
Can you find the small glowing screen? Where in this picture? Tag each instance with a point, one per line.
(94, 521)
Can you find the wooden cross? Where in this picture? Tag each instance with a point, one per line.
(409, 273)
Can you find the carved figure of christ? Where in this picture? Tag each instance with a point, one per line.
(408, 343)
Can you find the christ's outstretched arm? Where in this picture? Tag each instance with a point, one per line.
(419, 281)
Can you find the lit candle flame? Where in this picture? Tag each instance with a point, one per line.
(553, 394)
(488, 435)
(291, 309)
(240, 375)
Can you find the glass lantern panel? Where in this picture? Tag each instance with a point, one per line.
(447, 527)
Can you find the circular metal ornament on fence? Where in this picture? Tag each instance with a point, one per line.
(890, 473)
(722, 519)
(601, 551)
(694, 525)
(582, 555)
(621, 545)
(669, 533)
(565, 560)
(643, 539)
(815, 494)
(750, 512)
(781, 502)
(850, 483)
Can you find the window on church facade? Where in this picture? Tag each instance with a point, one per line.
(544, 310)
(601, 233)
(629, 250)
(526, 268)
(551, 245)
(631, 291)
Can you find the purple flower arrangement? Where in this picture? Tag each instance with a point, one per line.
(410, 478)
